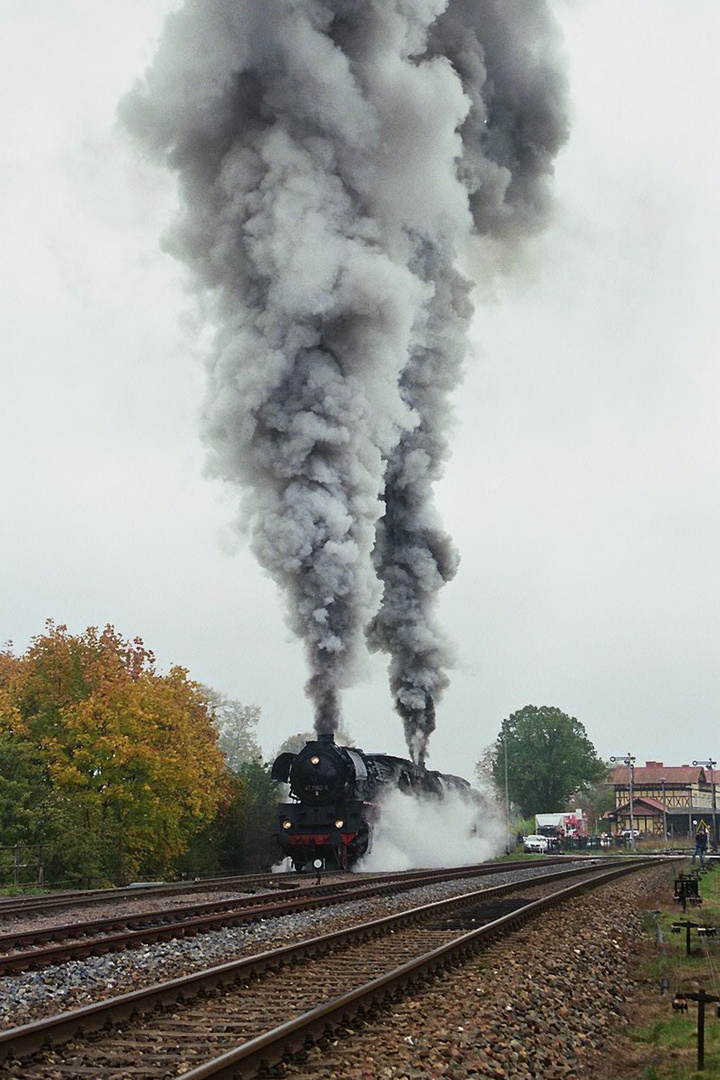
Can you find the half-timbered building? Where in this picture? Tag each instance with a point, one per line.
(667, 800)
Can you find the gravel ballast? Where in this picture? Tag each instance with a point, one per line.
(552, 1002)
(546, 1004)
(32, 995)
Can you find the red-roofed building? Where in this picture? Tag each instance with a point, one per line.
(668, 799)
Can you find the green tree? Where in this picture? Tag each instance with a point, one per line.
(241, 836)
(595, 802)
(549, 759)
(22, 779)
(251, 846)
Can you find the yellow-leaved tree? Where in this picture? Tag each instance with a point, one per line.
(124, 761)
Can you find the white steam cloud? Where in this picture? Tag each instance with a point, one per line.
(332, 157)
(416, 832)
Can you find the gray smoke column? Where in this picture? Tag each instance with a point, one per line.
(332, 156)
(506, 57)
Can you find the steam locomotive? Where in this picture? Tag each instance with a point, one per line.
(334, 793)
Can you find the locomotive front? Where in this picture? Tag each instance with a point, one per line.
(327, 823)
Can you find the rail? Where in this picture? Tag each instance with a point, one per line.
(244, 1060)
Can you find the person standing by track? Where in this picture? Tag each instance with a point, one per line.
(701, 843)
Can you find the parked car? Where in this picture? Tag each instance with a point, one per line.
(538, 844)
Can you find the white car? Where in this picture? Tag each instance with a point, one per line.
(538, 844)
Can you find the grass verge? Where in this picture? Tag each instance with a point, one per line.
(665, 1040)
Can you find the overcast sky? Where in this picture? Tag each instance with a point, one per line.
(583, 489)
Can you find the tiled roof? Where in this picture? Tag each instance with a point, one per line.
(640, 802)
(654, 772)
(654, 804)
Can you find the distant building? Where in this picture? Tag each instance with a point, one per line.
(665, 799)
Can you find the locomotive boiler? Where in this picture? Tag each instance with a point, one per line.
(334, 799)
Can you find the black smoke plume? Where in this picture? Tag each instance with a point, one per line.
(332, 157)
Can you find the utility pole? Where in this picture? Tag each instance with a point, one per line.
(629, 760)
(665, 835)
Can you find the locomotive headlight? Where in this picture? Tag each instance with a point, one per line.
(287, 824)
(339, 823)
(315, 760)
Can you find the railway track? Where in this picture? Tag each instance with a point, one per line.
(234, 1019)
(22, 950)
(27, 906)
(41, 904)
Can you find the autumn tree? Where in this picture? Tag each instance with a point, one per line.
(127, 759)
(549, 759)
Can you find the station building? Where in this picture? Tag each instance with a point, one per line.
(667, 800)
